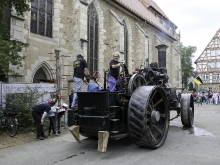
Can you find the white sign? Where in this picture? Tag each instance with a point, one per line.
(20, 88)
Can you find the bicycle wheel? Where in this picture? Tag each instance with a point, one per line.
(11, 126)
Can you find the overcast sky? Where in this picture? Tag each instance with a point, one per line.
(197, 20)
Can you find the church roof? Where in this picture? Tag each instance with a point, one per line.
(141, 8)
(152, 4)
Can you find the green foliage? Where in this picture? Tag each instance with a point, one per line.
(10, 48)
(23, 102)
(20, 5)
(186, 62)
(190, 86)
(9, 53)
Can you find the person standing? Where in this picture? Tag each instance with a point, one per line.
(51, 116)
(114, 72)
(179, 96)
(80, 70)
(39, 112)
(207, 98)
(60, 111)
(71, 98)
(210, 97)
(199, 100)
(215, 98)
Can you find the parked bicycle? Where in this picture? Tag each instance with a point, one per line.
(8, 121)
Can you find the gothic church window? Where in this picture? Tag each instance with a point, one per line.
(92, 57)
(39, 76)
(41, 17)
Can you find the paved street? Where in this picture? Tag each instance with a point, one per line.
(197, 145)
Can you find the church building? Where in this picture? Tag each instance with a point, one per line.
(96, 29)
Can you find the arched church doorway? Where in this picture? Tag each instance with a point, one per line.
(40, 76)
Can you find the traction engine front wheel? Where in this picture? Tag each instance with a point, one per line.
(187, 110)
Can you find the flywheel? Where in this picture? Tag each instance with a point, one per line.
(148, 116)
(136, 81)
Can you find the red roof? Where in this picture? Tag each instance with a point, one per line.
(156, 7)
(141, 9)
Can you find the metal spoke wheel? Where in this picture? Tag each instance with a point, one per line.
(11, 126)
(136, 81)
(187, 109)
(148, 116)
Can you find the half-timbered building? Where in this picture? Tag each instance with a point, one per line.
(208, 64)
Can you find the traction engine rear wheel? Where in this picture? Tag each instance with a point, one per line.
(148, 116)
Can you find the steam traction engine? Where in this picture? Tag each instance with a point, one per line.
(141, 111)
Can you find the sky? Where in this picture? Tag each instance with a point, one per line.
(197, 20)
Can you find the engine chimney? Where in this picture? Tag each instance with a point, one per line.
(162, 55)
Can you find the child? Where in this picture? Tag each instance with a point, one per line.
(199, 100)
(60, 112)
(93, 86)
(51, 116)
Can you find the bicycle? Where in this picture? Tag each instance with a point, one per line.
(8, 121)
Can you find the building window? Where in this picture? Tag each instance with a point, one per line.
(211, 65)
(217, 52)
(41, 17)
(218, 64)
(212, 53)
(205, 77)
(93, 23)
(126, 44)
(215, 76)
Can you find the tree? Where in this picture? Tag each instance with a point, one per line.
(10, 48)
(186, 62)
(190, 86)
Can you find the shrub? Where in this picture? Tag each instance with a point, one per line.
(23, 103)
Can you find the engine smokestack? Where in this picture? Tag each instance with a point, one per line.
(162, 55)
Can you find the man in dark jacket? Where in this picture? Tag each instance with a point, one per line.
(39, 112)
(179, 96)
(80, 70)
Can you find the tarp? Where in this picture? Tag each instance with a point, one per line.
(203, 90)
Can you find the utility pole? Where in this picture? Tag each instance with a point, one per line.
(59, 75)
